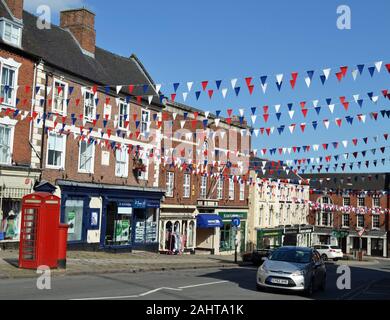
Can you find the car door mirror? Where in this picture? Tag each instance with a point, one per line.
(264, 259)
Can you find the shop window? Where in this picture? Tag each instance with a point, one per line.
(145, 226)
(10, 219)
(86, 157)
(227, 238)
(6, 138)
(56, 151)
(187, 185)
(203, 187)
(375, 222)
(74, 218)
(60, 94)
(118, 224)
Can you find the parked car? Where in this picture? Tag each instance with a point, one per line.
(292, 268)
(329, 252)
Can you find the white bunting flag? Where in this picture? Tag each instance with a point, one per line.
(118, 89)
(206, 114)
(189, 86)
(253, 118)
(326, 124)
(217, 122)
(345, 143)
(291, 113)
(150, 98)
(241, 111)
(158, 88)
(233, 83)
(279, 78)
(326, 73)
(256, 131)
(308, 81)
(185, 95)
(331, 108)
(264, 87)
(356, 97)
(378, 65)
(355, 74)
(224, 92)
(315, 103)
(277, 107)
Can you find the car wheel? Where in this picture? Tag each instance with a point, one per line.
(310, 289)
(324, 257)
(323, 284)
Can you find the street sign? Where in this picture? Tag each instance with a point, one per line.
(236, 222)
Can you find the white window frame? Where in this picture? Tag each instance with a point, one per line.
(203, 187)
(9, 123)
(373, 202)
(121, 123)
(357, 221)
(344, 202)
(147, 123)
(343, 220)
(358, 201)
(231, 189)
(187, 185)
(13, 65)
(92, 158)
(242, 191)
(14, 27)
(87, 119)
(55, 92)
(120, 162)
(220, 188)
(62, 165)
(376, 216)
(170, 183)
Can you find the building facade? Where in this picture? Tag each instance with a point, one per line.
(279, 207)
(351, 211)
(91, 144)
(204, 170)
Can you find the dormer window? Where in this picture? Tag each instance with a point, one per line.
(11, 33)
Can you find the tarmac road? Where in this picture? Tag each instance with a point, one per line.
(236, 283)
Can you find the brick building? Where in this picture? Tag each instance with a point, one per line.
(205, 172)
(91, 143)
(17, 175)
(351, 211)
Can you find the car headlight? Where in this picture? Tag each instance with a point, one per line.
(298, 273)
(263, 268)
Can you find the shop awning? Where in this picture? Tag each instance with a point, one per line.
(204, 221)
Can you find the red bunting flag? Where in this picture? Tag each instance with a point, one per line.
(173, 97)
(303, 104)
(339, 76)
(94, 89)
(131, 88)
(338, 121)
(293, 81)
(266, 116)
(303, 126)
(388, 67)
(211, 93)
(204, 85)
(251, 88)
(265, 108)
(248, 81)
(304, 112)
(196, 114)
(344, 71)
(355, 141)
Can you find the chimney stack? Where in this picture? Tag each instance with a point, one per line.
(16, 7)
(81, 23)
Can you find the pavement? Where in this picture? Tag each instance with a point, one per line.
(85, 262)
(230, 284)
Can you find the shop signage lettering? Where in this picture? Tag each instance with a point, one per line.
(231, 215)
(140, 204)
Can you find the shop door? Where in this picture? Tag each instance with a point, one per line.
(377, 247)
(290, 239)
(343, 244)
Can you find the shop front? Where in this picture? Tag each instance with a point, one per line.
(110, 217)
(177, 229)
(14, 185)
(208, 227)
(372, 242)
(323, 235)
(269, 238)
(300, 236)
(228, 232)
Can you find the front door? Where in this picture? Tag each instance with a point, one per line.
(377, 247)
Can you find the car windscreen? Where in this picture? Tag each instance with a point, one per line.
(335, 247)
(295, 256)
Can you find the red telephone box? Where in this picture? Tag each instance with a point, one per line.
(39, 236)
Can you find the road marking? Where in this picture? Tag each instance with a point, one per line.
(154, 291)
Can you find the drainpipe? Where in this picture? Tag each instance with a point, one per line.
(44, 125)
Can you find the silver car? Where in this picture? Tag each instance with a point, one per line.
(293, 268)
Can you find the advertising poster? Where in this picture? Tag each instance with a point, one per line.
(71, 221)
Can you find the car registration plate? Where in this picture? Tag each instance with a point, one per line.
(279, 281)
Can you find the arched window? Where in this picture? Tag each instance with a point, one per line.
(191, 234)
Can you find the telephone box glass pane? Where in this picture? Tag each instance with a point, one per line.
(29, 234)
(74, 218)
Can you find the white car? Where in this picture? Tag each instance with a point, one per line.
(329, 252)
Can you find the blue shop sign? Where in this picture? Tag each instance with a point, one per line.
(140, 204)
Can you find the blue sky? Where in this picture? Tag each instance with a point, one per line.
(180, 41)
